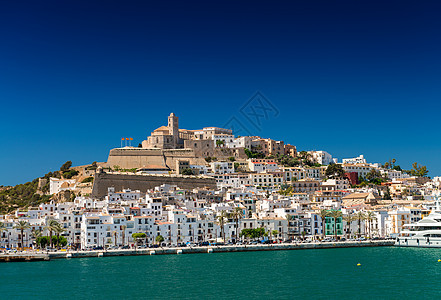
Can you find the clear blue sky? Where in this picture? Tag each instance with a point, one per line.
(348, 77)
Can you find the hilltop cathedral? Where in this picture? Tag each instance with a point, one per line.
(171, 137)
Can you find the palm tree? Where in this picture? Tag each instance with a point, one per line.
(50, 226)
(289, 218)
(360, 216)
(2, 228)
(22, 226)
(123, 228)
(348, 219)
(219, 143)
(221, 222)
(115, 237)
(36, 234)
(237, 214)
(58, 230)
(323, 214)
(159, 239)
(370, 216)
(335, 214)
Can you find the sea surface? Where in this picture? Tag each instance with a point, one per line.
(385, 273)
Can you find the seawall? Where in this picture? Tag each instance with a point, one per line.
(192, 250)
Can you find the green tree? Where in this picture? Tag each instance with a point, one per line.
(138, 237)
(397, 168)
(60, 241)
(418, 170)
(159, 239)
(253, 233)
(36, 233)
(231, 158)
(93, 166)
(187, 171)
(335, 171)
(42, 241)
(51, 227)
(88, 179)
(22, 196)
(22, 226)
(66, 166)
(253, 154)
(70, 173)
(286, 191)
(373, 174)
(220, 143)
(375, 177)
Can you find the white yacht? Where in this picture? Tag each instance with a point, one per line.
(424, 233)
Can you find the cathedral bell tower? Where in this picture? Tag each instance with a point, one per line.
(173, 127)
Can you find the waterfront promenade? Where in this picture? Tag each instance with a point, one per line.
(31, 256)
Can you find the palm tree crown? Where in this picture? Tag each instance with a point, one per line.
(22, 226)
(323, 214)
(51, 226)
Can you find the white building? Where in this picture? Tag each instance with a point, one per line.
(321, 157)
(262, 165)
(356, 160)
(361, 169)
(57, 185)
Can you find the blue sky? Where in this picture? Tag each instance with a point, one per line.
(348, 77)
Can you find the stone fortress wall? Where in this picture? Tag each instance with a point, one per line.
(128, 158)
(143, 183)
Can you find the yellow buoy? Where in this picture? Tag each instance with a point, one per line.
(358, 264)
(439, 260)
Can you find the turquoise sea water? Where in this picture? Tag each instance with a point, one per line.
(386, 272)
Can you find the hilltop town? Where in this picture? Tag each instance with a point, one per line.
(182, 187)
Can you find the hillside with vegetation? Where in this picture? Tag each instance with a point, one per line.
(21, 196)
(27, 195)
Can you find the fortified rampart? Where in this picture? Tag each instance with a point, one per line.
(128, 158)
(143, 183)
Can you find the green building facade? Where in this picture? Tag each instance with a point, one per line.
(329, 226)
